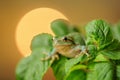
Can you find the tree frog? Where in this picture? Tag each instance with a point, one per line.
(71, 45)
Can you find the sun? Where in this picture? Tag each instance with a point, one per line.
(34, 22)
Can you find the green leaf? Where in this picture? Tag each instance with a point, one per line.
(111, 54)
(71, 62)
(32, 67)
(43, 41)
(114, 45)
(112, 51)
(92, 51)
(99, 34)
(73, 28)
(21, 68)
(91, 75)
(76, 73)
(99, 58)
(116, 31)
(59, 68)
(77, 38)
(104, 71)
(91, 72)
(101, 71)
(117, 62)
(118, 72)
(61, 27)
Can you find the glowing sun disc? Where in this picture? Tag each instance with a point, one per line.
(34, 22)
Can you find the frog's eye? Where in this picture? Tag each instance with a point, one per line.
(65, 38)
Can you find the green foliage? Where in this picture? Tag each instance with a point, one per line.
(78, 70)
(101, 71)
(62, 27)
(104, 71)
(116, 30)
(31, 67)
(71, 62)
(59, 68)
(112, 54)
(43, 41)
(99, 34)
(118, 72)
(102, 43)
(92, 50)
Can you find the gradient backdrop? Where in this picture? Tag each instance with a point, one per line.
(77, 11)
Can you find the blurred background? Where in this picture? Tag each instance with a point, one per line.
(77, 11)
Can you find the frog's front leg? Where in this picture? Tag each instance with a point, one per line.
(52, 56)
(83, 50)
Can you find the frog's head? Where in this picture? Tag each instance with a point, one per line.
(63, 41)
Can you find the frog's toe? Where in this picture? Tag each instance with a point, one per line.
(87, 54)
(82, 53)
(51, 58)
(56, 56)
(46, 58)
(78, 55)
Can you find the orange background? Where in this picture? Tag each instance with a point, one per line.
(77, 11)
